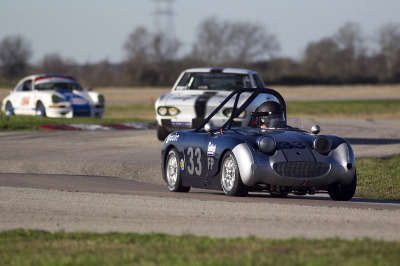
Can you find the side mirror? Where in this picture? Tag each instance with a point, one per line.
(315, 129)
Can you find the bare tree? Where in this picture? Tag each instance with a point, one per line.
(350, 41)
(14, 55)
(148, 54)
(389, 44)
(54, 63)
(233, 42)
(320, 59)
(146, 47)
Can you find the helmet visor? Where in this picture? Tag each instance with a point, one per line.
(277, 120)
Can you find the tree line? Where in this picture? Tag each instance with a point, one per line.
(348, 56)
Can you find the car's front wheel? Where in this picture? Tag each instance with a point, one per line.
(9, 109)
(231, 181)
(173, 173)
(162, 132)
(343, 192)
(40, 110)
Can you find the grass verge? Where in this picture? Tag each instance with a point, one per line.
(30, 247)
(378, 178)
(142, 112)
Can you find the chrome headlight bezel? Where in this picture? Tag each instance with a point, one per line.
(322, 144)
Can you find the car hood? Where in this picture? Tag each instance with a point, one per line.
(74, 97)
(296, 145)
(193, 98)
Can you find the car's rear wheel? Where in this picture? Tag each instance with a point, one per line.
(162, 132)
(231, 181)
(343, 192)
(40, 110)
(9, 109)
(173, 173)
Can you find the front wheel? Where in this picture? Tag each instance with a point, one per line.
(9, 109)
(40, 110)
(343, 192)
(231, 181)
(173, 174)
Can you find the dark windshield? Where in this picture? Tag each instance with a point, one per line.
(61, 86)
(214, 81)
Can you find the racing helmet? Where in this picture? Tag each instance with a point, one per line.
(269, 115)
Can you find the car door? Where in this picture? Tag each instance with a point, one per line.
(23, 101)
(194, 164)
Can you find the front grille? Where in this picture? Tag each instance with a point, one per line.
(302, 169)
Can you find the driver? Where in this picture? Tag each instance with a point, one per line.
(268, 115)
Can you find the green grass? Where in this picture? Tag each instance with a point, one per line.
(139, 112)
(20, 247)
(378, 178)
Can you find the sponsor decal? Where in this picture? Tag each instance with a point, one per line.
(181, 124)
(211, 149)
(210, 163)
(305, 183)
(172, 138)
(182, 164)
(78, 101)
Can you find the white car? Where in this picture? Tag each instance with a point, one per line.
(198, 91)
(52, 95)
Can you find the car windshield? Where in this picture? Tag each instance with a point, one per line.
(60, 86)
(214, 81)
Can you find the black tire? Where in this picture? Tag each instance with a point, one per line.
(231, 182)
(9, 111)
(40, 110)
(173, 173)
(162, 132)
(340, 192)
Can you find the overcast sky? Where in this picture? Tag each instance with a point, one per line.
(94, 30)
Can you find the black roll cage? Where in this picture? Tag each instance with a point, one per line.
(237, 111)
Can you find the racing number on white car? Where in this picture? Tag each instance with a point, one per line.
(194, 166)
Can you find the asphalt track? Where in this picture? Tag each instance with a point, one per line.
(110, 181)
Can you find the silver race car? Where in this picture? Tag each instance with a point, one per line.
(266, 155)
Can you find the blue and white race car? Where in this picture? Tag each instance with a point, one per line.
(52, 95)
(267, 155)
(197, 92)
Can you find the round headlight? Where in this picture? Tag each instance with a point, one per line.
(173, 111)
(162, 110)
(323, 145)
(228, 111)
(55, 98)
(266, 144)
(100, 98)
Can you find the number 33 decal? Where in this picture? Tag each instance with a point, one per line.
(194, 164)
(292, 145)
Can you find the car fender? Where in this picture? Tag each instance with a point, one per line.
(245, 161)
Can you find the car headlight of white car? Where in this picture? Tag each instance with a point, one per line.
(100, 98)
(164, 110)
(228, 111)
(56, 102)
